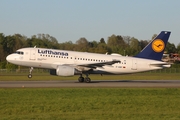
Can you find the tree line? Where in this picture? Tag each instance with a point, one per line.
(124, 45)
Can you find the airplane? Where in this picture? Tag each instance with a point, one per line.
(69, 63)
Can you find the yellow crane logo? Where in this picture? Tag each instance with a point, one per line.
(158, 45)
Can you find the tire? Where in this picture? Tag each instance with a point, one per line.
(87, 80)
(81, 79)
(29, 76)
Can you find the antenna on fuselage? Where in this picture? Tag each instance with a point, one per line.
(35, 46)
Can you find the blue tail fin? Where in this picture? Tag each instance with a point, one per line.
(155, 49)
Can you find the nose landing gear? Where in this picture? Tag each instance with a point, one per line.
(30, 72)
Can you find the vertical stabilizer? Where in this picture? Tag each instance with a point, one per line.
(155, 49)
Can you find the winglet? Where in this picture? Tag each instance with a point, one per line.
(155, 49)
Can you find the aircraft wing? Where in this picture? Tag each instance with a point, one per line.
(99, 64)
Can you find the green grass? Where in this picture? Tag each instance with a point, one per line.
(46, 76)
(90, 103)
(43, 74)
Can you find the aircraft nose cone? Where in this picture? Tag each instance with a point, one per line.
(9, 58)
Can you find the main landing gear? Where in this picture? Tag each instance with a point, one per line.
(30, 72)
(82, 79)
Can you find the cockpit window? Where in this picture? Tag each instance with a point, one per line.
(19, 52)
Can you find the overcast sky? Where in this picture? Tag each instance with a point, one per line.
(69, 20)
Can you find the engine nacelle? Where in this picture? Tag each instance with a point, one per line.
(63, 70)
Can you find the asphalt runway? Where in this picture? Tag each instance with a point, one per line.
(94, 83)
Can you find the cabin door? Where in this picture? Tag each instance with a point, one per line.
(32, 54)
(134, 64)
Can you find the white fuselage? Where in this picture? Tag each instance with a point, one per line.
(51, 59)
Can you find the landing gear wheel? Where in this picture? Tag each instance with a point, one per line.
(87, 80)
(30, 76)
(81, 79)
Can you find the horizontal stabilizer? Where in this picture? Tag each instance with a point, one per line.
(161, 64)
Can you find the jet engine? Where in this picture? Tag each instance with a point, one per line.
(63, 70)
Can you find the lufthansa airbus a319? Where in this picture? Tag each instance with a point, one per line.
(69, 63)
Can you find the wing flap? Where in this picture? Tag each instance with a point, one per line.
(99, 64)
(90, 66)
